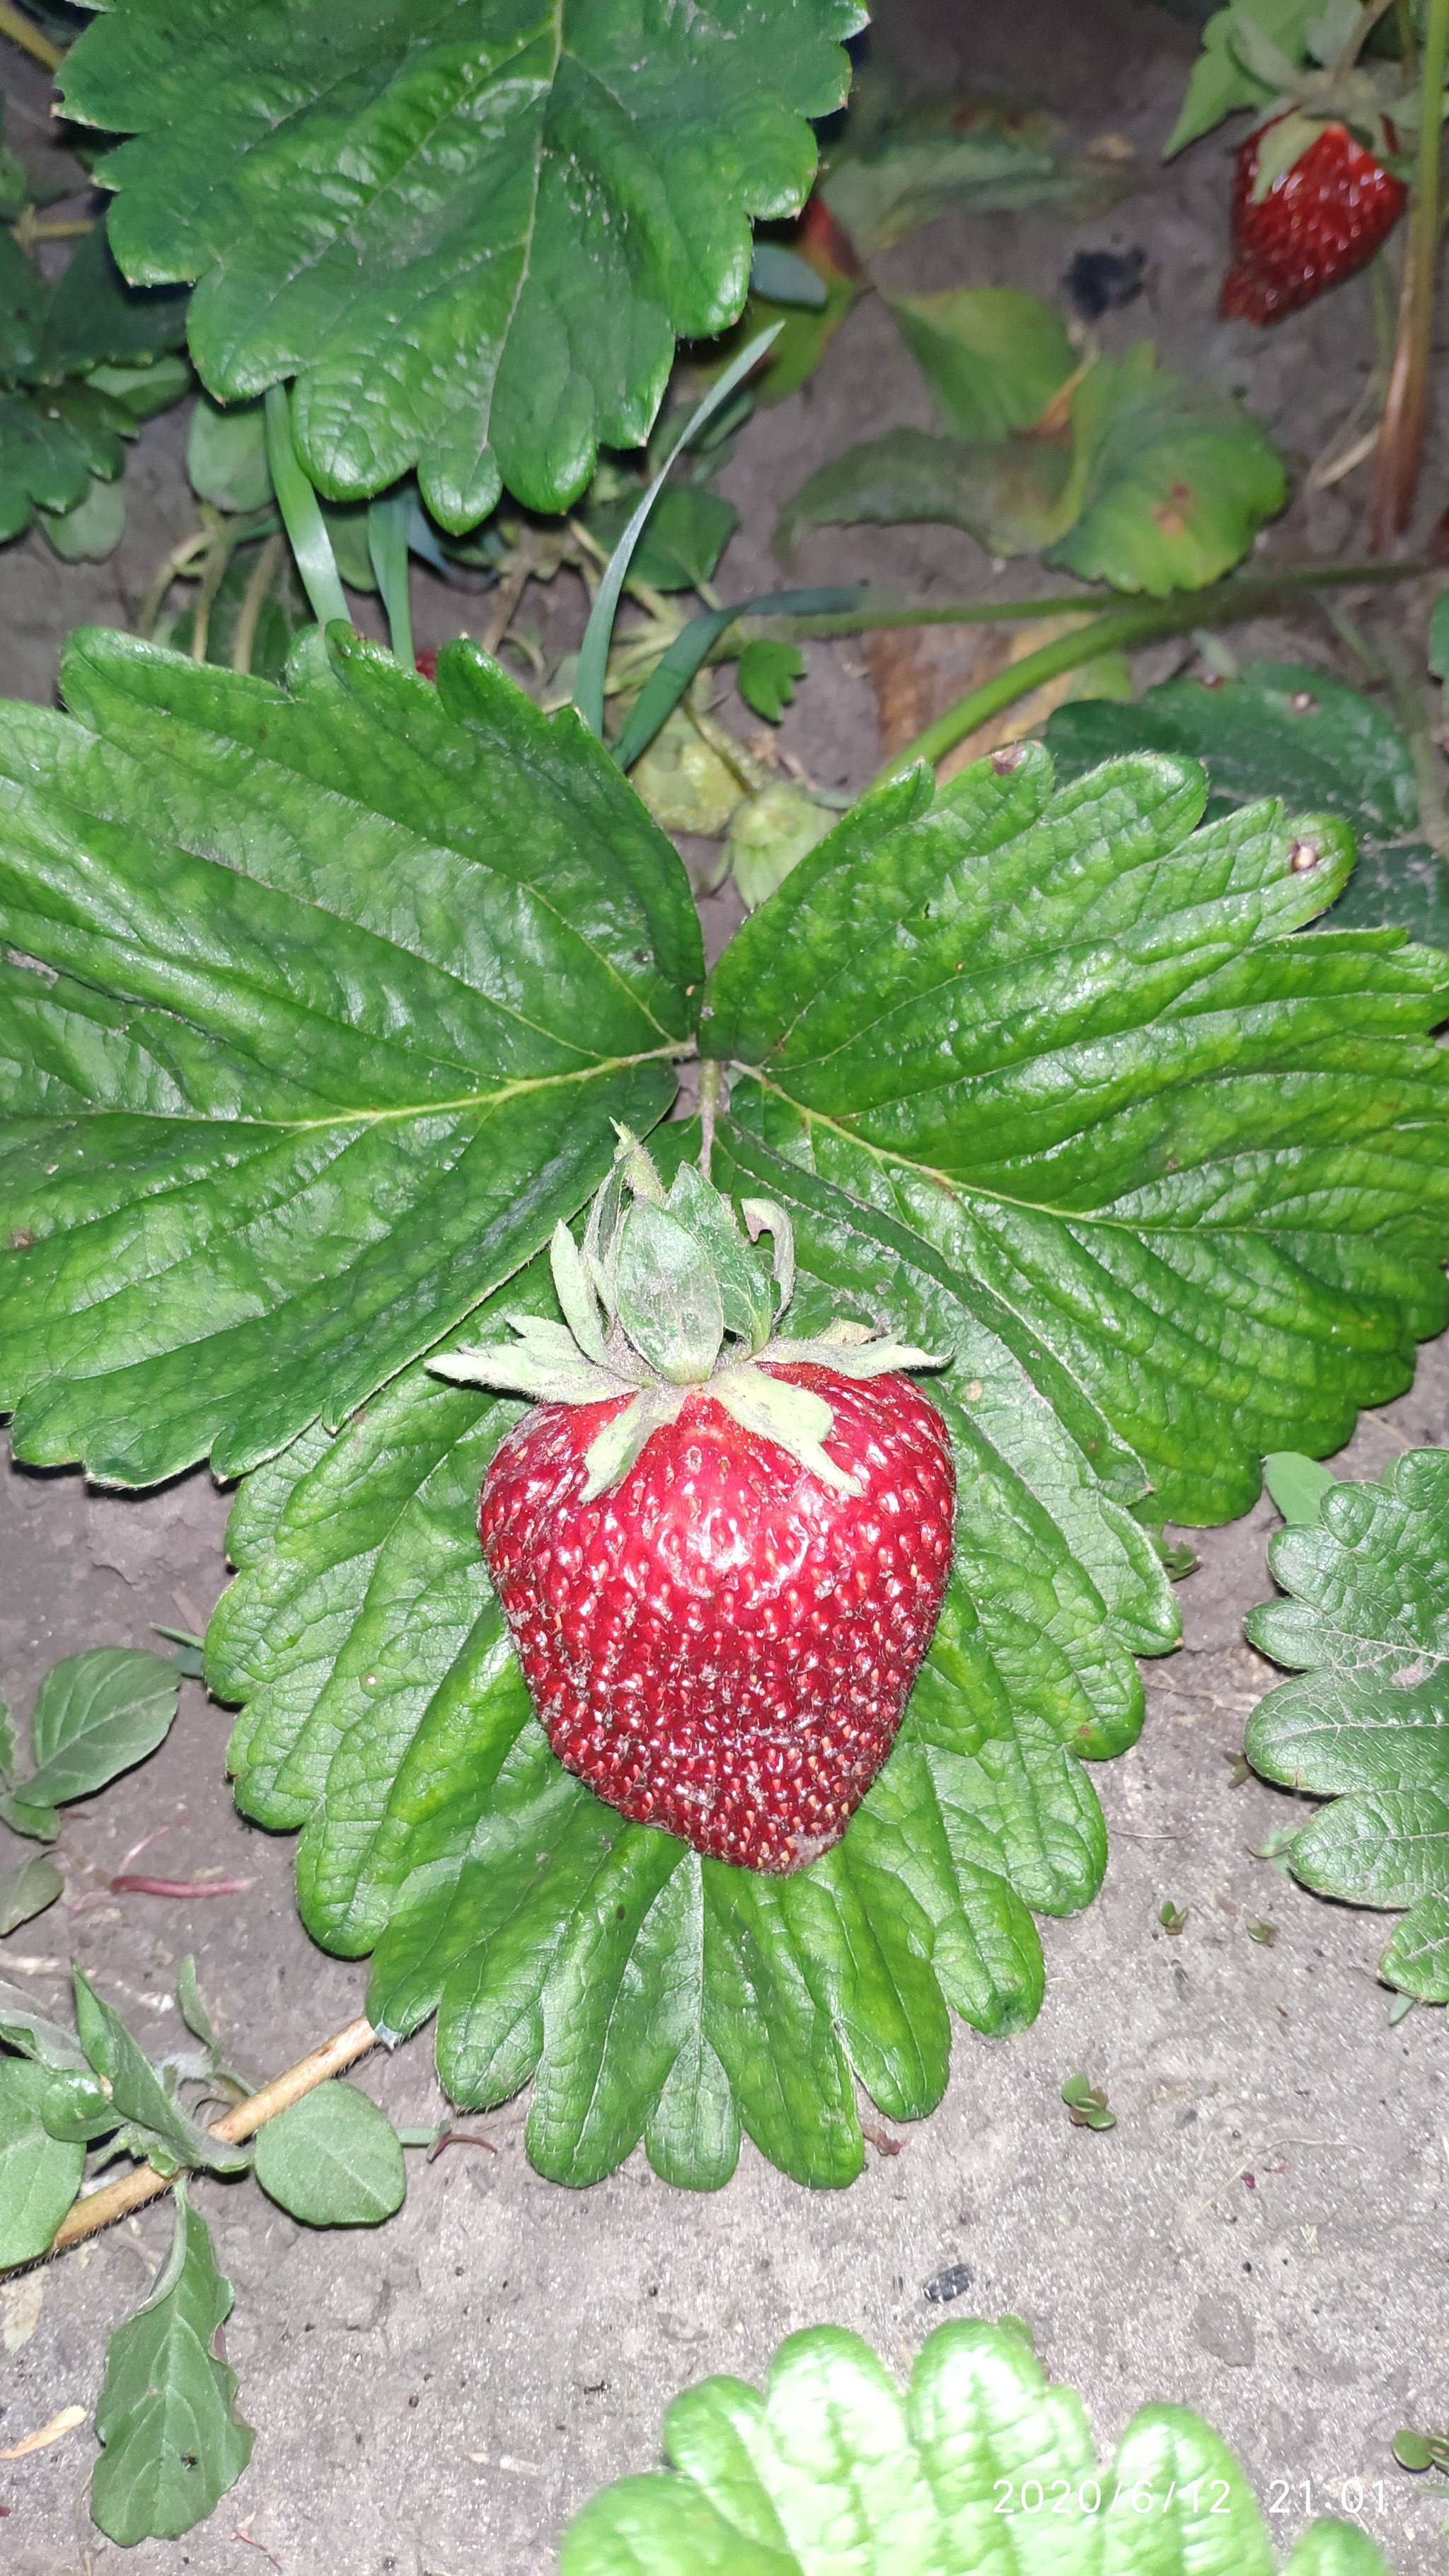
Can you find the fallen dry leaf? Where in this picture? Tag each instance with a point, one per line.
(55, 2431)
(919, 671)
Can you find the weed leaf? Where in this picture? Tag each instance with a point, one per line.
(95, 1714)
(173, 2441)
(333, 2159)
(39, 2174)
(165, 2134)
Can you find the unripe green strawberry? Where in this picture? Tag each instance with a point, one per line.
(721, 1555)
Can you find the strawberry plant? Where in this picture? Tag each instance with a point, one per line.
(980, 2463)
(345, 986)
(1362, 1725)
(509, 217)
(703, 1438)
(1348, 106)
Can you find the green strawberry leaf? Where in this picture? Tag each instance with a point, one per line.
(992, 356)
(1117, 1267)
(508, 215)
(1159, 486)
(882, 183)
(687, 532)
(1296, 1484)
(1173, 480)
(981, 2468)
(81, 366)
(97, 319)
(333, 2159)
(1366, 1627)
(354, 977)
(39, 2175)
(1222, 78)
(1060, 1045)
(1013, 495)
(1292, 730)
(766, 673)
(173, 2441)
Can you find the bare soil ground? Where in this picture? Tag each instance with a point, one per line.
(1263, 2233)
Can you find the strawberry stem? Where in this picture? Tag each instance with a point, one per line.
(1122, 628)
(1368, 19)
(1401, 438)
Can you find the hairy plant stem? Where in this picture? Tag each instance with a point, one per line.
(15, 25)
(101, 2208)
(1401, 438)
(711, 1076)
(1119, 630)
(884, 616)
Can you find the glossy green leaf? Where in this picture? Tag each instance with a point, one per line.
(980, 2468)
(27, 1891)
(39, 2175)
(173, 2440)
(1056, 1044)
(333, 2159)
(166, 2134)
(992, 356)
(53, 440)
(782, 277)
(506, 211)
(1046, 1078)
(354, 977)
(95, 1714)
(1289, 729)
(1292, 730)
(1366, 1627)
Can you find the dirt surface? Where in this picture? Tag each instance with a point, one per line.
(1263, 2233)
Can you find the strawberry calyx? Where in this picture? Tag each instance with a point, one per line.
(667, 1294)
(1333, 87)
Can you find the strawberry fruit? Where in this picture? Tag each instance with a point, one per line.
(1310, 206)
(721, 1554)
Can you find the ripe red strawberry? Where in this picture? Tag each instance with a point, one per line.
(1303, 219)
(721, 1567)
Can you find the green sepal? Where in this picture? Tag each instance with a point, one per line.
(670, 1303)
